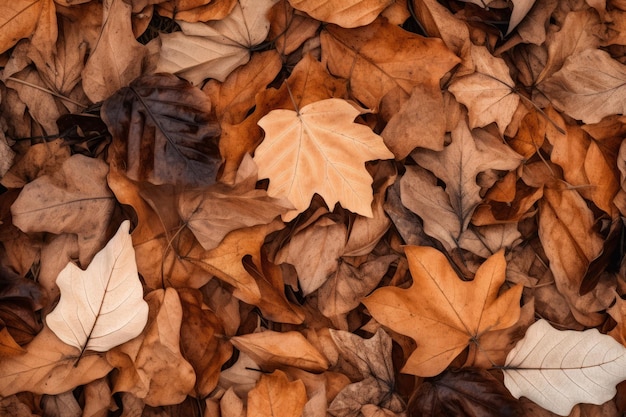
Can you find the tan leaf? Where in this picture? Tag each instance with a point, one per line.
(381, 57)
(26, 18)
(288, 29)
(74, 199)
(319, 150)
(49, 367)
(520, 10)
(585, 93)
(273, 349)
(101, 307)
(488, 92)
(213, 212)
(442, 313)
(149, 363)
(275, 395)
(117, 58)
(196, 10)
(315, 268)
(215, 49)
(345, 13)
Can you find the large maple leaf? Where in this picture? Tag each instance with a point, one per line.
(319, 150)
(442, 313)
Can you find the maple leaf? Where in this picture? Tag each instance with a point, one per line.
(103, 306)
(319, 150)
(275, 395)
(558, 369)
(488, 91)
(215, 49)
(442, 313)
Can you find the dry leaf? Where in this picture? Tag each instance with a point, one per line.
(33, 19)
(163, 132)
(442, 313)
(487, 92)
(559, 369)
(319, 149)
(215, 49)
(273, 349)
(275, 395)
(345, 13)
(101, 307)
(74, 199)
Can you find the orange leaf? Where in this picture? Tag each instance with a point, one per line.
(275, 395)
(442, 313)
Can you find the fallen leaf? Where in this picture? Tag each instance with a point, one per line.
(290, 30)
(437, 312)
(49, 366)
(116, 58)
(213, 212)
(355, 398)
(488, 92)
(273, 349)
(101, 307)
(149, 363)
(520, 10)
(275, 395)
(75, 199)
(241, 377)
(558, 369)
(61, 405)
(319, 149)
(314, 269)
(345, 13)
(215, 49)
(464, 392)
(196, 10)
(380, 57)
(584, 93)
(26, 19)
(163, 132)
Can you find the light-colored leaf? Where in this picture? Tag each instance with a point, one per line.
(102, 307)
(585, 93)
(319, 150)
(520, 10)
(559, 369)
(216, 48)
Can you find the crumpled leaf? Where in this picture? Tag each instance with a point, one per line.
(101, 307)
(49, 366)
(585, 93)
(150, 363)
(488, 91)
(163, 132)
(274, 395)
(345, 13)
(75, 199)
(442, 313)
(319, 149)
(215, 49)
(558, 369)
(464, 392)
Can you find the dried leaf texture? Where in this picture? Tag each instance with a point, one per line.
(163, 132)
(275, 395)
(439, 313)
(559, 369)
(319, 149)
(345, 13)
(101, 307)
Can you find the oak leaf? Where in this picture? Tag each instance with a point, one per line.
(488, 92)
(275, 395)
(585, 93)
(559, 369)
(319, 149)
(216, 48)
(163, 132)
(442, 313)
(101, 307)
(345, 13)
(75, 199)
